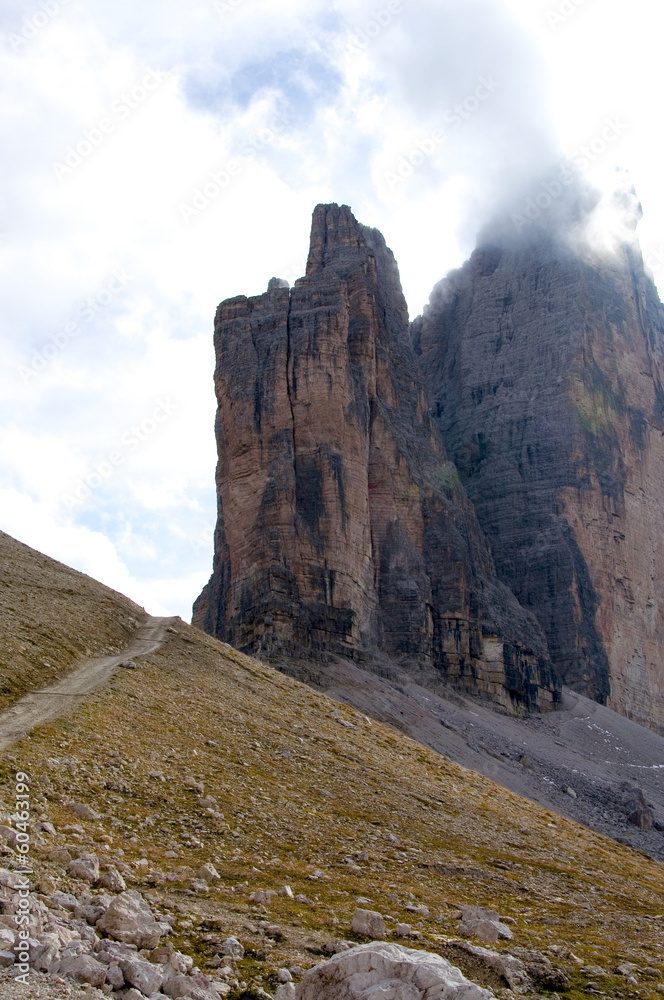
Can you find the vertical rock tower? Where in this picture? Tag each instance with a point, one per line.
(342, 527)
(545, 373)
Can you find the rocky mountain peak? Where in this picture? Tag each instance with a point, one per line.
(343, 529)
(544, 363)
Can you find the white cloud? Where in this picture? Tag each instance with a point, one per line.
(227, 86)
(88, 551)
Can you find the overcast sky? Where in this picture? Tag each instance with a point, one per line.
(159, 157)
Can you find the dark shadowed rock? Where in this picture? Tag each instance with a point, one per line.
(545, 371)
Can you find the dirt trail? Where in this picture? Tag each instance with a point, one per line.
(60, 698)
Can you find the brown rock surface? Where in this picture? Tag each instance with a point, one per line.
(545, 371)
(342, 527)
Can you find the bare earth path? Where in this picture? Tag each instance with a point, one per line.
(58, 699)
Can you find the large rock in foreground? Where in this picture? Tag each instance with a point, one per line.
(389, 972)
(342, 526)
(130, 920)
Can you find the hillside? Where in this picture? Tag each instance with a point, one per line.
(206, 755)
(52, 618)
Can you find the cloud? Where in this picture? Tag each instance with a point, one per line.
(201, 187)
(77, 546)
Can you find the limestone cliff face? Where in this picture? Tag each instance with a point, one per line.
(342, 527)
(545, 373)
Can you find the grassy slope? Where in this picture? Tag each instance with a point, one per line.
(52, 618)
(299, 792)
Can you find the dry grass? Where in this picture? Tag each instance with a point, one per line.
(300, 792)
(52, 618)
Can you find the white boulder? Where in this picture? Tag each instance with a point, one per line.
(368, 923)
(383, 971)
(129, 919)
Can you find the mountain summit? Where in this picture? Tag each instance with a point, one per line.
(478, 498)
(544, 364)
(343, 530)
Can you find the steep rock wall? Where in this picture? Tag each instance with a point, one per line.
(544, 368)
(342, 527)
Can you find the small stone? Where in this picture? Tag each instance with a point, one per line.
(74, 829)
(469, 913)
(208, 873)
(262, 896)
(202, 993)
(193, 784)
(403, 930)
(7, 936)
(59, 856)
(45, 953)
(486, 931)
(114, 976)
(129, 919)
(85, 868)
(510, 968)
(145, 976)
(65, 900)
(286, 991)
(113, 880)
(6, 959)
(89, 913)
(284, 976)
(129, 665)
(286, 891)
(83, 969)
(642, 817)
(232, 948)
(594, 970)
(483, 924)
(569, 791)
(368, 923)
(8, 834)
(198, 885)
(82, 810)
(336, 945)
